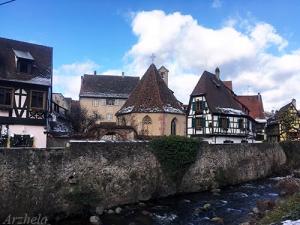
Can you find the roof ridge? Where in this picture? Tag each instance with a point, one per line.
(156, 74)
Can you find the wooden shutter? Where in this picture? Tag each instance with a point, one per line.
(193, 122)
(203, 122)
(194, 106)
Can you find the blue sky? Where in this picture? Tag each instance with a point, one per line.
(108, 36)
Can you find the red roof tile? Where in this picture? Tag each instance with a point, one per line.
(254, 104)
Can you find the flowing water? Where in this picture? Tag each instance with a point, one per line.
(233, 204)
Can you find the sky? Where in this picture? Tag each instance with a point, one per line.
(256, 44)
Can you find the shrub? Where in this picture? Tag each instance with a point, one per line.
(175, 154)
(292, 151)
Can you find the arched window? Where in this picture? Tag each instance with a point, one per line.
(123, 121)
(146, 123)
(173, 126)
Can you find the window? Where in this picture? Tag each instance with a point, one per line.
(5, 96)
(37, 99)
(199, 106)
(24, 66)
(147, 120)
(110, 101)
(241, 124)
(198, 123)
(173, 126)
(146, 123)
(95, 103)
(224, 123)
(109, 116)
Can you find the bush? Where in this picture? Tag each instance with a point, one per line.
(292, 151)
(175, 154)
(289, 209)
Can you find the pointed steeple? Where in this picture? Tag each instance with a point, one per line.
(151, 95)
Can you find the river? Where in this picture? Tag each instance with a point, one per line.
(233, 204)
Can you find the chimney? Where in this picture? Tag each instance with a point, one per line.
(217, 72)
(95, 72)
(294, 102)
(123, 74)
(164, 73)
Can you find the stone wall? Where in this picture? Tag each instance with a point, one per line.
(90, 175)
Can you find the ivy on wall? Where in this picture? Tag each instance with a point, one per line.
(175, 154)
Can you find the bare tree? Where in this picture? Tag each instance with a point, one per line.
(81, 120)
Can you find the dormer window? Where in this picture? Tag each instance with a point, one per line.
(24, 61)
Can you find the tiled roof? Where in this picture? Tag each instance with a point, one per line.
(151, 95)
(219, 98)
(228, 83)
(254, 104)
(107, 86)
(41, 56)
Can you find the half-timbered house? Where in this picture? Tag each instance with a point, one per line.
(25, 92)
(215, 114)
(284, 125)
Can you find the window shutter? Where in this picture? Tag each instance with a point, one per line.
(219, 122)
(228, 121)
(203, 122)
(202, 105)
(194, 106)
(193, 122)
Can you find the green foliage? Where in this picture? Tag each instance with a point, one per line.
(287, 210)
(175, 154)
(292, 152)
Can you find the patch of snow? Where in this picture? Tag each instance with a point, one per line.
(230, 111)
(104, 95)
(35, 80)
(126, 109)
(280, 178)
(41, 80)
(290, 222)
(170, 109)
(261, 120)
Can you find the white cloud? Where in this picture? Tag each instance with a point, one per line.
(252, 55)
(216, 4)
(67, 78)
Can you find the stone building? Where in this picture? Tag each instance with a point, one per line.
(105, 94)
(152, 109)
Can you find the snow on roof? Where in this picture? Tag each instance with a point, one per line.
(230, 111)
(168, 108)
(261, 120)
(35, 80)
(23, 55)
(104, 95)
(126, 109)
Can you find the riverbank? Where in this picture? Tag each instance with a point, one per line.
(230, 205)
(287, 210)
(91, 177)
